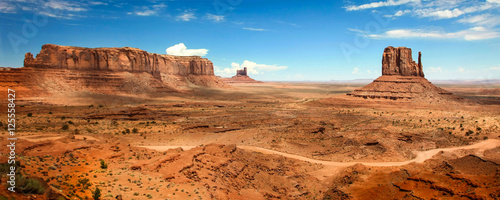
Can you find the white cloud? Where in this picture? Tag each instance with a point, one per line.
(475, 33)
(186, 16)
(7, 8)
(493, 1)
(254, 29)
(64, 5)
(355, 70)
(97, 3)
(439, 14)
(148, 10)
(461, 70)
(495, 68)
(252, 68)
(380, 4)
(434, 69)
(216, 18)
(181, 50)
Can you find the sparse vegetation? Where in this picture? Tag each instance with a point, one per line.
(104, 165)
(96, 194)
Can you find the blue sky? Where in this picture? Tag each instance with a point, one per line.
(277, 40)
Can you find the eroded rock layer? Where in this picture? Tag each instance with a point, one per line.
(64, 69)
(399, 61)
(240, 77)
(117, 59)
(402, 78)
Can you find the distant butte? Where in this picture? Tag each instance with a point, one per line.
(241, 77)
(402, 78)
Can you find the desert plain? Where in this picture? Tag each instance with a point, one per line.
(274, 140)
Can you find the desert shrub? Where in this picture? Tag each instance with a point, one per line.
(84, 182)
(65, 127)
(135, 130)
(104, 165)
(63, 118)
(470, 132)
(96, 194)
(127, 131)
(50, 113)
(30, 114)
(27, 185)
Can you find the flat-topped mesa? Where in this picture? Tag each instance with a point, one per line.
(117, 59)
(399, 61)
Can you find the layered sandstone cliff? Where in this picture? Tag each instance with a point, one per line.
(65, 70)
(117, 59)
(402, 78)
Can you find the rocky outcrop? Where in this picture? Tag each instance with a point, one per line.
(117, 59)
(240, 77)
(65, 70)
(399, 61)
(242, 72)
(402, 78)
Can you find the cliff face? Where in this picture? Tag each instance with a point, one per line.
(117, 59)
(399, 61)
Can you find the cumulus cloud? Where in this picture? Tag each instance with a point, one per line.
(181, 50)
(461, 70)
(186, 16)
(252, 68)
(215, 18)
(495, 68)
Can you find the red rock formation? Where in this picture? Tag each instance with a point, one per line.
(240, 77)
(117, 59)
(63, 70)
(399, 61)
(242, 72)
(402, 78)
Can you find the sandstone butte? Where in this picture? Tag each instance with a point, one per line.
(402, 78)
(57, 69)
(241, 77)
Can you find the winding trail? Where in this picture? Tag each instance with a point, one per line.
(421, 155)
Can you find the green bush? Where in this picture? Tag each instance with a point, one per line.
(65, 127)
(30, 114)
(27, 185)
(135, 130)
(96, 194)
(103, 165)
